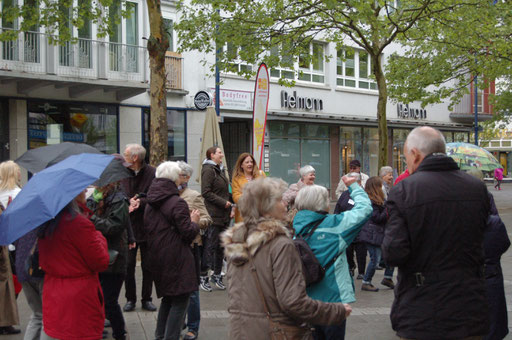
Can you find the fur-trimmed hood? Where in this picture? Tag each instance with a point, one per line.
(238, 241)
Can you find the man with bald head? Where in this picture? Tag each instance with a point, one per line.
(434, 236)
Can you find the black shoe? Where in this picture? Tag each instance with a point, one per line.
(9, 330)
(149, 306)
(107, 323)
(130, 306)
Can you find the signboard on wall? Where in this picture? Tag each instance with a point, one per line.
(234, 99)
(259, 116)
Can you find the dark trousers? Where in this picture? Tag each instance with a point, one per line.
(498, 184)
(215, 250)
(147, 279)
(360, 250)
(330, 332)
(194, 309)
(203, 254)
(171, 316)
(111, 284)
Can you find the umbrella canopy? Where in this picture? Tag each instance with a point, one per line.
(468, 156)
(211, 137)
(35, 160)
(48, 192)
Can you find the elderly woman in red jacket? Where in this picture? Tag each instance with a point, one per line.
(72, 253)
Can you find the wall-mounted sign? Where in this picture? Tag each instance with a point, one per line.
(405, 112)
(234, 100)
(302, 103)
(202, 100)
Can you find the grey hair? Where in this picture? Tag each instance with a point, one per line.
(312, 197)
(259, 198)
(385, 170)
(186, 168)
(306, 169)
(169, 170)
(136, 150)
(426, 140)
(476, 173)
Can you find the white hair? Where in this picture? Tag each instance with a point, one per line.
(136, 150)
(385, 170)
(169, 170)
(185, 168)
(307, 169)
(312, 197)
(426, 140)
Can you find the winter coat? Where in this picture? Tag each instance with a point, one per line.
(195, 201)
(279, 271)
(169, 233)
(139, 184)
(237, 184)
(373, 231)
(496, 243)
(215, 191)
(113, 223)
(498, 174)
(24, 246)
(435, 233)
(342, 187)
(8, 307)
(330, 239)
(72, 257)
(290, 194)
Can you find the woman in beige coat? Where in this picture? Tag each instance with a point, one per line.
(263, 242)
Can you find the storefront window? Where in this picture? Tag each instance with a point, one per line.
(175, 134)
(351, 146)
(370, 161)
(448, 136)
(460, 137)
(399, 136)
(294, 145)
(57, 122)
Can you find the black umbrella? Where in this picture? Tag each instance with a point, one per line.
(35, 160)
(115, 171)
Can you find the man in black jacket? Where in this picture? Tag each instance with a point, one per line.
(434, 235)
(136, 188)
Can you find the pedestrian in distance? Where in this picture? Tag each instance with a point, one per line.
(346, 203)
(372, 235)
(110, 216)
(498, 176)
(435, 236)
(136, 188)
(195, 202)
(266, 287)
(307, 177)
(218, 201)
(354, 166)
(496, 243)
(386, 174)
(10, 182)
(170, 228)
(72, 253)
(246, 169)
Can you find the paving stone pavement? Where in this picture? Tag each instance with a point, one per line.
(369, 319)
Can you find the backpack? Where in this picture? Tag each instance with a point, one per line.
(311, 268)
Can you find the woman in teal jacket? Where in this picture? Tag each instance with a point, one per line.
(329, 243)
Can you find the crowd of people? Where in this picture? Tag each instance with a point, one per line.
(437, 224)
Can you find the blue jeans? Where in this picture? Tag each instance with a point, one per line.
(375, 254)
(171, 316)
(194, 312)
(330, 332)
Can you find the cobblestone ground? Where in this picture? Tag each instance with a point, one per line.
(369, 319)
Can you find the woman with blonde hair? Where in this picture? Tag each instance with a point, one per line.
(10, 182)
(246, 170)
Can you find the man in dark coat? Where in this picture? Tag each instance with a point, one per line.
(435, 232)
(136, 188)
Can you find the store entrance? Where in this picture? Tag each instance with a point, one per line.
(4, 130)
(236, 138)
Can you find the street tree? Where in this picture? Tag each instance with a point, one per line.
(254, 30)
(59, 18)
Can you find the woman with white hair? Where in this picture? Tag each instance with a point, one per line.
(329, 241)
(267, 290)
(307, 177)
(386, 173)
(170, 228)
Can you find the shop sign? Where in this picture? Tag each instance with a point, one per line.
(302, 103)
(202, 100)
(405, 112)
(234, 100)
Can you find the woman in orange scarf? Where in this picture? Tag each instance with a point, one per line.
(245, 171)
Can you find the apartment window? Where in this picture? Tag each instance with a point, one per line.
(115, 38)
(310, 66)
(234, 64)
(176, 134)
(132, 38)
(353, 69)
(169, 29)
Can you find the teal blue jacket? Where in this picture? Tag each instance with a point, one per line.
(331, 238)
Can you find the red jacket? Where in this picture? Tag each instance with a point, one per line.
(71, 257)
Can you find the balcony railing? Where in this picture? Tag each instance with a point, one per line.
(497, 144)
(84, 58)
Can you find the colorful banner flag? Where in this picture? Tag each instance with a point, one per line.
(259, 115)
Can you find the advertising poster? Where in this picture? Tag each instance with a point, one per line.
(259, 116)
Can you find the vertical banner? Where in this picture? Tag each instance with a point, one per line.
(259, 114)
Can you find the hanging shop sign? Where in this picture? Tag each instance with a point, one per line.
(202, 100)
(234, 100)
(405, 112)
(302, 103)
(259, 115)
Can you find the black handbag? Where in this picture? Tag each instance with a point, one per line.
(311, 267)
(32, 267)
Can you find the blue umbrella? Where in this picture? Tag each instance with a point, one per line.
(48, 192)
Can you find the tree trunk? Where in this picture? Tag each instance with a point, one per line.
(381, 109)
(158, 44)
